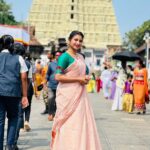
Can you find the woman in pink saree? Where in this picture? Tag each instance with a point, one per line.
(74, 127)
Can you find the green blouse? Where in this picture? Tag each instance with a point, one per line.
(64, 61)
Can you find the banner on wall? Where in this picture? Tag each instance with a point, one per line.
(19, 34)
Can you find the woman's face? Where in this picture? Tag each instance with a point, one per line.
(76, 42)
(138, 64)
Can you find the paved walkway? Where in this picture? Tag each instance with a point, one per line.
(117, 130)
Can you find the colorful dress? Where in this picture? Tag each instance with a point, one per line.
(128, 98)
(43, 73)
(98, 85)
(140, 88)
(38, 79)
(113, 78)
(45, 90)
(74, 127)
(91, 86)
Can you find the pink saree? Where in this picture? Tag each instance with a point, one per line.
(74, 127)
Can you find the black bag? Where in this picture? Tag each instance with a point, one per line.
(40, 87)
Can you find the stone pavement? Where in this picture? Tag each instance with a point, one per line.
(117, 130)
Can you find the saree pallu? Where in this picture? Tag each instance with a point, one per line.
(74, 127)
(140, 88)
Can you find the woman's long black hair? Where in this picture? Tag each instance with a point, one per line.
(142, 63)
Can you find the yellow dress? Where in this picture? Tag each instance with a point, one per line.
(38, 78)
(91, 86)
(45, 90)
(128, 102)
(44, 72)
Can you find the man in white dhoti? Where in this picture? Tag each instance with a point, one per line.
(105, 77)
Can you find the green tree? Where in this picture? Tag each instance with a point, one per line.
(6, 16)
(134, 38)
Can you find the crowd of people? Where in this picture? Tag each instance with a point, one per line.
(127, 86)
(13, 90)
(21, 79)
(63, 82)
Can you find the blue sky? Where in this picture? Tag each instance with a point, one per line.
(130, 13)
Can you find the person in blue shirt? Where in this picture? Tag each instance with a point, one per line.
(52, 86)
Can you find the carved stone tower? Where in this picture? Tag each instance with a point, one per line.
(57, 18)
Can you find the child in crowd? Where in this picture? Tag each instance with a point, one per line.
(128, 95)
